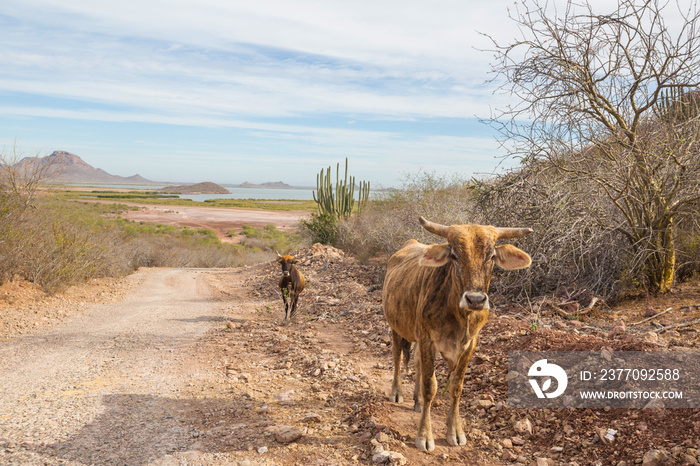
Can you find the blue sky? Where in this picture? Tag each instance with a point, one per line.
(233, 91)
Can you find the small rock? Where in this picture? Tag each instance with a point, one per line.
(606, 354)
(606, 435)
(518, 441)
(283, 396)
(376, 447)
(311, 418)
(507, 443)
(382, 437)
(618, 329)
(523, 426)
(287, 434)
(651, 337)
(655, 458)
(544, 462)
(509, 456)
(389, 457)
(486, 404)
(262, 450)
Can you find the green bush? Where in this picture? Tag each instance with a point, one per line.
(322, 227)
(269, 238)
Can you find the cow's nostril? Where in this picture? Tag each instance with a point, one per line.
(474, 300)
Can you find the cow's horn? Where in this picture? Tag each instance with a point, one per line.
(434, 228)
(505, 233)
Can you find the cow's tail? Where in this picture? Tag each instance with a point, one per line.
(406, 352)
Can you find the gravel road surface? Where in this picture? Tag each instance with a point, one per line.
(101, 388)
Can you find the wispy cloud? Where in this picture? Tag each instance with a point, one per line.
(279, 75)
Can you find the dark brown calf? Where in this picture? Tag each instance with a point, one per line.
(292, 284)
(436, 296)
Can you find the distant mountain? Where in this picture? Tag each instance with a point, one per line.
(64, 167)
(200, 188)
(272, 184)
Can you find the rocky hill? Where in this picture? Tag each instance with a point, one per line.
(64, 167)
(200, 188)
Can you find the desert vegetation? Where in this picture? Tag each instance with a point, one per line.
(55, 242)
(606, 128)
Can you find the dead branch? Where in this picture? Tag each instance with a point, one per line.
(680, 325)
(650, 318)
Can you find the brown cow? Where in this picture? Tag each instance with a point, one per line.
(292, 284)
(436, 296)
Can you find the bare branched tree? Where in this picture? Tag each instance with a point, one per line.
(593, 103)
(19, 181)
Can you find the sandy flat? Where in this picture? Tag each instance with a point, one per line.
(219, 219)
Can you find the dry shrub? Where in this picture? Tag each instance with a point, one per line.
(59, 244)
(570, 251)
(392, 218)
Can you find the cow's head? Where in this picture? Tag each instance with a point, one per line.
(473, 251)
(286, 262)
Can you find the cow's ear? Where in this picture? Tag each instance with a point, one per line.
(436, 255)
(509, 257)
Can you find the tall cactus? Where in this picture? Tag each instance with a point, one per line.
(675, 105)
(340, 201)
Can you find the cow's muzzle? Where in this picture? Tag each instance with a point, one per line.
(285, 273)
(474, 301)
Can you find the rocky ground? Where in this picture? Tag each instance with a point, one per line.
(314, 391)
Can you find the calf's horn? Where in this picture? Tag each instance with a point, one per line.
(434, 228)
(505, 233)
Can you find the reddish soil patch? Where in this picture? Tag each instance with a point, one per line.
(219, 219)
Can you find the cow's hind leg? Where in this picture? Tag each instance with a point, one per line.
(398, 347)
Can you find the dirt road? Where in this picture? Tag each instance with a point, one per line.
(102, 388)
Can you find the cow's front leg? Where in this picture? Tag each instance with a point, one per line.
(294, 299)
(426, 354)
(397, 343)
(455, 432)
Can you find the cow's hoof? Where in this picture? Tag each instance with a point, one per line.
(417, 407)
(459, 439)
(425, 444)
(396, 398)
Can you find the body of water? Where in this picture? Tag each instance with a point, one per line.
(301, 194)
(296, 194)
